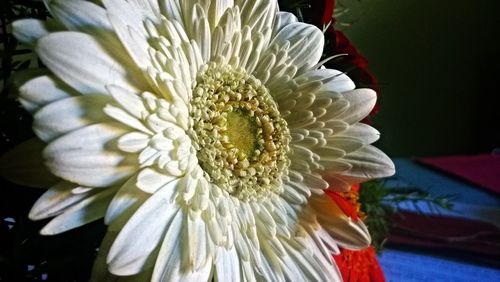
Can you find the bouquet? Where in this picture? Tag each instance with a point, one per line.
(215, 140)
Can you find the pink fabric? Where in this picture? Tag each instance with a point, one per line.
(482, 170)
(445, 233)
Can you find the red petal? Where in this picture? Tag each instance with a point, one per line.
(344, 205)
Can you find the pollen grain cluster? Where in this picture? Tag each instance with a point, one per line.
(240, 137)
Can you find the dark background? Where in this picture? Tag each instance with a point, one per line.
(438, 65)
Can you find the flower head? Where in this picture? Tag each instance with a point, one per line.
(204, 132)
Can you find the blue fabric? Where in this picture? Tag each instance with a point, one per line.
(469, 200)
(412, 267)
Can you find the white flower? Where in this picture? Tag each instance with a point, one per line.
(203, 132)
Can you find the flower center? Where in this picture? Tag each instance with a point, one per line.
(242, 131)
(240, 137)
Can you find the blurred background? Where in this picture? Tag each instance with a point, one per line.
(438, 66)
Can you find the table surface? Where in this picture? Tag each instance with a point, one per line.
(469, 202)
(408, 266)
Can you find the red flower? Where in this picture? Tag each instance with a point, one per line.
(355, 266)
(359, 266)
(344, 205)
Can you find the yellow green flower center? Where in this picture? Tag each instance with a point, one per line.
(240, 137)
(243, 132)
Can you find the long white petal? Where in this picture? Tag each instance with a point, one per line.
(83, 63)
(127, 21)
(361, 102)
(150, 180)
(81, 15)
(283, 19)
(37, 89)
(144, 230)
(228, 265)
(361, 131)
(56, 200)
(68, 114)
(125, 202)
(28, 31)
(343, 229)
(130, 101)
(306, 44)
(88, 210)
(333, 80)
(169, 263)
(83, 156)
(369, 163)
(100, 270)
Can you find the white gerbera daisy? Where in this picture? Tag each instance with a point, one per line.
(204, 132)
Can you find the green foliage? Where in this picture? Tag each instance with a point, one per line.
(379, 203)
(371, 197)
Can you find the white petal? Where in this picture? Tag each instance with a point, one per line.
(306, 44)
(130, 101)
(150, 180)
(346, 144)
(83, 156)
(195, 241)
(271, 269)
(343, 229)
(369, 163)
(336, 183)
(100, 271)
(333, 80)
(330, 152)
(202, 36)
(83, 63)
(68, 114)
(134, 41)
(283, 19)
(362, 132)
(132, 12)
(315, 181)
(125, 202)
(228, 265)
(127, 22)
(41, 90)
(291, 195)
(361, 102)
(24, 165)
(28, 31)
(334, 110)
(142, 233)
(168, 265)
(217, 9)
(81, 15)
(125, 118)
(259, 15)
(304, 258)
(88, 210)
(56, 200)
(90, 18)
(133, 142)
